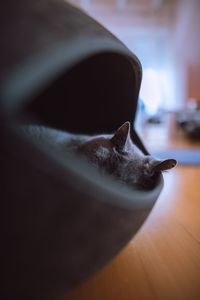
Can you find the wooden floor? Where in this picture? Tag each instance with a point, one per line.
(163, 260)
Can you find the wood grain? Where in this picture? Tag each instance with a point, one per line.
(163, 260)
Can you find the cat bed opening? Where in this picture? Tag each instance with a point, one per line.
(79, 100)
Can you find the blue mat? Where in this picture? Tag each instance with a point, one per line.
(183, 156)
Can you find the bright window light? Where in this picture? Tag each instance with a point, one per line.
(150, 90)
(156, 90)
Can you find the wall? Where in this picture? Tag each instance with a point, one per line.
(186, 43)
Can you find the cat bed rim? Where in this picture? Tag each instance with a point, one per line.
(97, 186)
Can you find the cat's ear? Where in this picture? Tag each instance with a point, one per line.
(163, 165)
(121, 136)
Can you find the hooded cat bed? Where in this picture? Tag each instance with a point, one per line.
(62, 220)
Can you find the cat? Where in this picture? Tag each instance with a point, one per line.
(113, 154)
(117, 155)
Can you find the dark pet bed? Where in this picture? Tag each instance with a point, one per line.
(62, 220)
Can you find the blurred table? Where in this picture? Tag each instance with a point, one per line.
(162, 261)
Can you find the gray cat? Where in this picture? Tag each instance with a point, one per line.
(117, 155)
(114, 154)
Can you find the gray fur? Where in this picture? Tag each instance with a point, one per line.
(118, 156)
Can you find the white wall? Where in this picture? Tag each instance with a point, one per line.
(186, 47)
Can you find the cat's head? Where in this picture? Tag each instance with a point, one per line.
(119, 156)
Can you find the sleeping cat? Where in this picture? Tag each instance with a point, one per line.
(113, 154)
(117, 155)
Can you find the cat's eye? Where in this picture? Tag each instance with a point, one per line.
(124, 153)
(117, 150)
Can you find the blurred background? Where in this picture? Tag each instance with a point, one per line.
(164, 34)
(162, 261)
